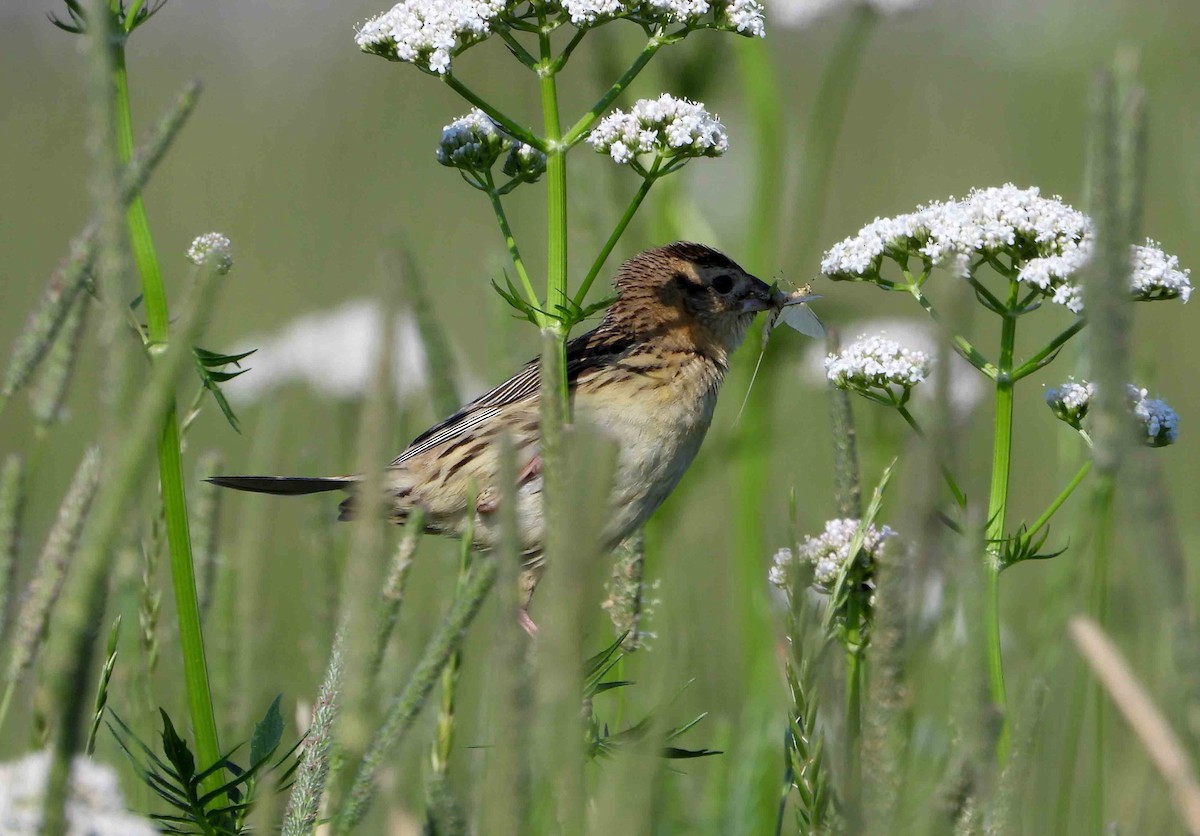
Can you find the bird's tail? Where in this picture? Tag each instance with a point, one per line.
(285, 485)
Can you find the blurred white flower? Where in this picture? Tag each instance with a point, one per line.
(742, 16)
(212, 247)
(472, 142)
(428, 32)
(94, 805)
(667, 126)
(965, 387)
(796, 14)
(1156, 275)
(1046, 239)
(829, 551)
(781, 568)
(875, 364)
(1160, 422)
(335, 353)
(1069, 402)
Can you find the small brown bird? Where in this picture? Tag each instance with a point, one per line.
(648, 376)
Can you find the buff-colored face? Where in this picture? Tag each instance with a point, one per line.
(721, 298)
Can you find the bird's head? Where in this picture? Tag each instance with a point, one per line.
(690, 295)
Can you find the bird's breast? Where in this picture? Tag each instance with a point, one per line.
(658, 418)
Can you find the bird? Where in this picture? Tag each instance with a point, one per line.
(647, 376)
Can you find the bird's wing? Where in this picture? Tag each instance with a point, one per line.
(585, 354)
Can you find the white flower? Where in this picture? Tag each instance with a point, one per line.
(1069, 402)
(965, 387)
(214, 248)
(472, 142)
(1156, 275)
(94, 805)
(742, 16)
(800, 13)
(666, 126)
(334, 352)
(1046, 240)
(428, 32)
(1160, 422)
(829, 551)
(877, 364)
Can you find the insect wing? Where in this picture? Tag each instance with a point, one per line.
(803, 320)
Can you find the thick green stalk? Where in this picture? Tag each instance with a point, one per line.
(997, 505)
(1103, 520)
(855, 673)
(170, 466)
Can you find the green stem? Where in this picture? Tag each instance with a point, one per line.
(514, 252)
(515, 130)
(1036, 361)
(961, 344)
(154, 296)
(554, 407)
(580, 128)
(855, 664)
(1076, 480)
(617, 232)
(997, 506)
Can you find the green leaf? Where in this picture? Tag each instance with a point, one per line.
(267, 734)
(177, 750)
(212, 359)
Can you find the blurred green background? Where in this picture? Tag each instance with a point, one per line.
(312, 157)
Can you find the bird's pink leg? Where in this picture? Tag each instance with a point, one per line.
(527, 623)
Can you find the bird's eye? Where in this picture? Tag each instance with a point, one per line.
(723, 283)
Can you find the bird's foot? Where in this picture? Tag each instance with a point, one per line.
(526, 622)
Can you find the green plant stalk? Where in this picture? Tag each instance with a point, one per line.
(1103, 519)
(1053, 507)
(514, 252)
(855, 674)
(617, 232)
(580, 128)
(444, 736)
(997, 505)
(154, 296)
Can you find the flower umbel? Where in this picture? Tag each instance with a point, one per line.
(1069, 402)
(1039, 241)
(744, 17)
(212, 248)
(878, 368)
(1159, 422)
(472, 142)
(428, 33)
(674, 129)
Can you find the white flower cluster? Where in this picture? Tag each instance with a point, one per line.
(214, 248)
(742, 16)
(1047, 241)
(877, 365)
(94, 806)
(1160, 424)
(828, 553)
(666, 126)
(1156, 275)
(524, 162)
(1069, 402)
(428, 32)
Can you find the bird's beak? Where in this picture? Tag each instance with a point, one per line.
(761, 298)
